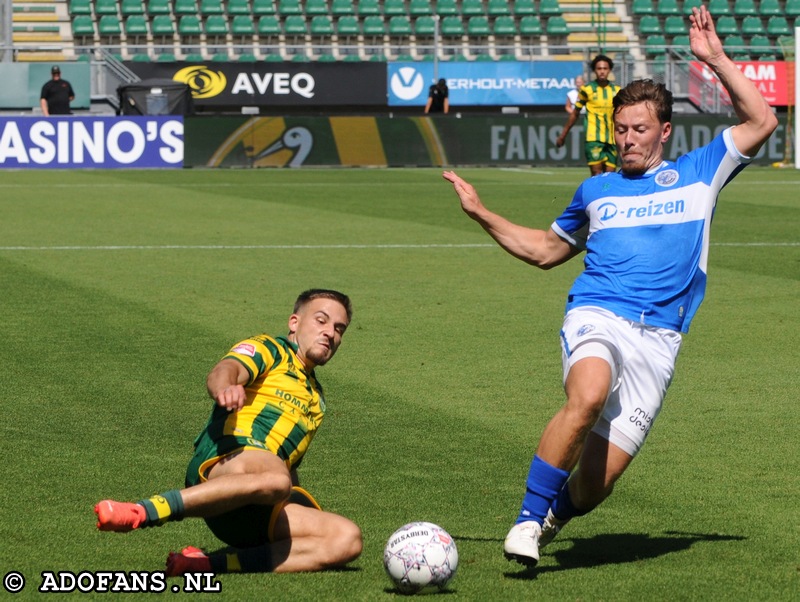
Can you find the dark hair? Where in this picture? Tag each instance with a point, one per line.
(324, 293)
(599, 58)
(646, 90)
(442, 83)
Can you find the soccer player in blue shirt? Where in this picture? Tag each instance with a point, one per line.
(645, 231)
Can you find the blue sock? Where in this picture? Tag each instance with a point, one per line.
(563, 508)
(544, 483)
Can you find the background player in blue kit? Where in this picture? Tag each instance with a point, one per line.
(645, 231)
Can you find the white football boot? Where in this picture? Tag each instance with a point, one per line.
(522, 543)
(550, 528)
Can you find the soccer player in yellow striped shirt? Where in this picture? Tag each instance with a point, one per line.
(243, 477)
(597, 96)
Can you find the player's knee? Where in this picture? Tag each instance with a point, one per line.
(271, 488)
(346, 543)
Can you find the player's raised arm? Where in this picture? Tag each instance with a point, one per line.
(541, 248)
(756, 119)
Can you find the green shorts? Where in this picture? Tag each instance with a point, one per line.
(250, 525)
(600, 152)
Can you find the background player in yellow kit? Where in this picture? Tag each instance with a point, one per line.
(597, 96)
(243, 477)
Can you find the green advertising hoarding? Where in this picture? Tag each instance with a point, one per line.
(417, 141)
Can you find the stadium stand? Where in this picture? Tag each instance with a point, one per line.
(390, 29)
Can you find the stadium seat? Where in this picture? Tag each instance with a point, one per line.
(217, 26)
(165, 57)
(524, 7)
(393, 8)
(557, 26)
(342, 7)
(719, 8)
(761, 46)
(185, 7)
(778, 26)
(269, 27)
(83, 27)
(667, 7)
(424, 26)
(347, 26)
(643, 7)
(316, 7)
(743, 8)
(752, 26)
(321, 26)
(243, 28)
(366, 8)
(211, 7)
(80, 7)
(109, 27)
(681, 41)
(136, 29)
(295, 25)
(158, 7)
(478, 26)
(400, 25)
(549, 8)
(531, 25)
(263, 7)
(675, 25)
(239, 7)
(506, 26)
(471, 8)
(655, 45)
(649, 24)
(162, 27)
(446, 8)
(689, 4)
(727, 26)
(734, 45)
(190, 26)
(498, 8)
(452, 26)
(767, 8)
(417, 8)
(131, 7)
(105, 7)
(247, 57)
(374, 26)
(141, 57)
(289, 7)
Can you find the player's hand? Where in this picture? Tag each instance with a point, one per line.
(231, 398)
(703, 39)
(470, 202)
(560, 141)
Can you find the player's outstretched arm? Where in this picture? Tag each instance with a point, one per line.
(225, 384)
(756, 119)
(543, 249)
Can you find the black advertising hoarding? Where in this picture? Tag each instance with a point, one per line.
(275, 84)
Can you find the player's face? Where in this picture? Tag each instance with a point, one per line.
(640, 138)
(601, 71)
(317, 328)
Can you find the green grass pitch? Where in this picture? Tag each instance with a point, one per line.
(121, 289)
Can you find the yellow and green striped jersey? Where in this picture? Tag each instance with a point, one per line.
(285, 403)
(599, 115)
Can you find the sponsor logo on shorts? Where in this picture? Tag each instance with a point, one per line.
(585, 329)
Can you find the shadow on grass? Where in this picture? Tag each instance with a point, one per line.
(618, 548)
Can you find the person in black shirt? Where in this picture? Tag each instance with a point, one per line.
(56, 95)
(438, 101)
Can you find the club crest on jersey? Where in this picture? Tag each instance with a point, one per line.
(245, 349)
(585, 329)
(667, 177)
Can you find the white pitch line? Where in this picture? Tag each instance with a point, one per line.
(300, 247)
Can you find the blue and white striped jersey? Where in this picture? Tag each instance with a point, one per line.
(646, 237)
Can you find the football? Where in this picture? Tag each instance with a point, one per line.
(420, 558)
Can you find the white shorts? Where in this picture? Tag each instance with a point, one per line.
(642, 360)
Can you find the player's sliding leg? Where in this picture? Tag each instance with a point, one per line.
(305, 539)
